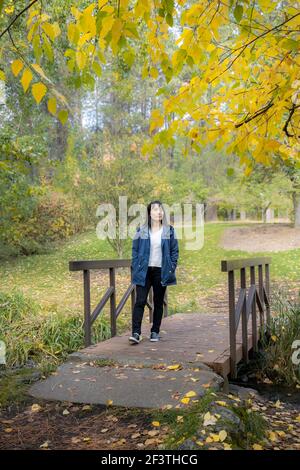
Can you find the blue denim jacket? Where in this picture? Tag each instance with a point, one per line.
(141, 255)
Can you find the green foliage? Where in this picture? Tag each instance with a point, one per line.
(30, 335)
(285, 329)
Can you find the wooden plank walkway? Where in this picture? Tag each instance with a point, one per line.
(186, 338)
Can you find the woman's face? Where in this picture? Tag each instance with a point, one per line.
(156, 212)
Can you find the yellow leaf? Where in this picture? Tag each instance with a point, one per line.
(50, 30)
(190, 394)
(222, 435)
(274, 338)
(209, 419)
(26, 79)
(156, 120)
(153, 72)
(35, 408)
(2, 75)
(39, 90)
(156, 423)
(86, 408)
(109, 402)
(63, 117)
(174, 367)
(52, 105)
(107, 24)
(297, 419)
(278, 404)
(227, 446)
(80, 59)
(185, 400)
(8, 430)
(272, 436)
(17, 66)
(221, 403)
(257, 447)
(9, 10)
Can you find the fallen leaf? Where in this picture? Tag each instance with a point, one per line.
(221, 403)
(45, 445)
(66, 412)
(191, 394)
(257, 447)
(155, 423)
(209, 419)
(222, 435)
(185, 400)
(86, 408)
(174, 367)
(35, 408)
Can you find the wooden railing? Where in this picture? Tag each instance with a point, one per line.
(257, 296)
(110, 294)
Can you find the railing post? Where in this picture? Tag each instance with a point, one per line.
(113, 320)
(253, 311)
(87, 307)
(133, 293)
(261, 293)
(232, 335)
(267, 284)
(151, 305)
(244, 318)
(166, 303)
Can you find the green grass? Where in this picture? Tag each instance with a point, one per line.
(52, 303)
(46, 279)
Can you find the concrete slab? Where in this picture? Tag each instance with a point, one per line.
(125, 386)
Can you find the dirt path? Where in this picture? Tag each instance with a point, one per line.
(261, 237)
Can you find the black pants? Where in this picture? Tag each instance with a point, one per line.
(153, 278)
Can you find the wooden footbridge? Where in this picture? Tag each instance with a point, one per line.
(218, 340)
(197, 351)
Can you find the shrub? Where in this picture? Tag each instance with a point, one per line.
(285, 329)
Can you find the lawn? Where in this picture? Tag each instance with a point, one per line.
(45, 278)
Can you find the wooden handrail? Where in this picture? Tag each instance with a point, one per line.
(89, 318)
(257, 296)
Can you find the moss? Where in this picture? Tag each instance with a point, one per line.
(14, 386)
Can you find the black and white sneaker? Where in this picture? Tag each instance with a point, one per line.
(135, 338)
(154, 336)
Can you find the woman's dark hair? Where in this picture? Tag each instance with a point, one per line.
(164, 218)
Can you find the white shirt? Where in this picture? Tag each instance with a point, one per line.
(155, 248)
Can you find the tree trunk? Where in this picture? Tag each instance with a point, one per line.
(296, 206)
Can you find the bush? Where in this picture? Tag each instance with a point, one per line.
(285, 329)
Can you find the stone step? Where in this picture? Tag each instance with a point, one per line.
(125, 386)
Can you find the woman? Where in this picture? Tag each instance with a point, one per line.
(154, 260)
